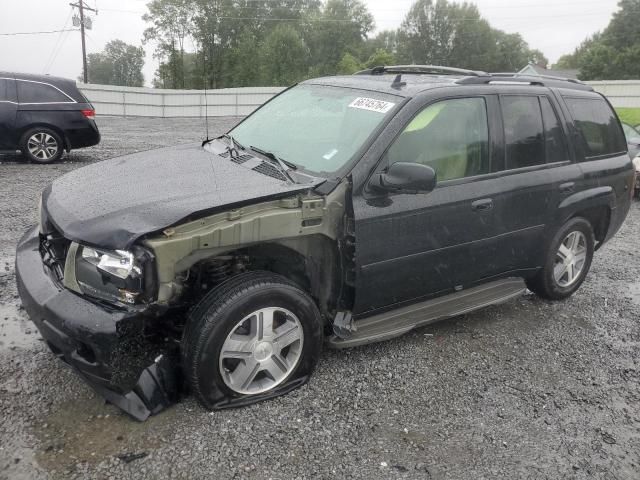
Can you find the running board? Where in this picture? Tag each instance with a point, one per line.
(387, 325)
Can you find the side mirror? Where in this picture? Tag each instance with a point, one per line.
(406, 177)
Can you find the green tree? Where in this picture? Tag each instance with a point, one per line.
(613, 54)
(348, 65)
(380, 57)
(438, 32)
(171, 23)
(118, 64)
(284, 57)
(341, 27)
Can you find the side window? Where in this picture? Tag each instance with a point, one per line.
(598, 127)
(451, 136)
(32, 92)
(554, 140)
(4, 94)
(524, 132)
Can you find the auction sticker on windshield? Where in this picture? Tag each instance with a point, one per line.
(372, 104)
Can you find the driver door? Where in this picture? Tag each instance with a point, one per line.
(410, 246)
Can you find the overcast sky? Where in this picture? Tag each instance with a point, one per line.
(555, 27)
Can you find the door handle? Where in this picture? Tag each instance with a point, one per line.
(482, 205)
(568, 187)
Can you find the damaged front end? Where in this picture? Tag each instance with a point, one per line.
(116, 315)
(121, 351)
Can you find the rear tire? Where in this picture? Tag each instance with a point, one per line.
(42, 145)
(567, 261)
(250, 338)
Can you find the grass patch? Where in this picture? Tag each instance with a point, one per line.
(629, 115)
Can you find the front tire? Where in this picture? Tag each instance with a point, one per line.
(249, 339)
(42, 145)
(567, 261)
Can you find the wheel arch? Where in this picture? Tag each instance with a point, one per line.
(312, 262)
(24, 130)
(595, 205)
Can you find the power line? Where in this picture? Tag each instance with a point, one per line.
(57, 45)
(38, 33)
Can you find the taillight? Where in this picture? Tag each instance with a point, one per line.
(89, 113)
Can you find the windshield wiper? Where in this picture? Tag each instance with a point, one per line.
(283, 164)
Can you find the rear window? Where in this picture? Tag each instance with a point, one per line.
(33, 92)
(598, 127)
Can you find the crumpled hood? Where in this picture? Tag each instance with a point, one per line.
(114, 202)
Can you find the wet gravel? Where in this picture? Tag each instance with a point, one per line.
(529, 390)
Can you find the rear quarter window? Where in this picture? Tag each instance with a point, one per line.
(33, 92)
(598, 127)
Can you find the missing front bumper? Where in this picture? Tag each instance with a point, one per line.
(108, 348)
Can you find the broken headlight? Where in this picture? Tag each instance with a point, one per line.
(111, 275)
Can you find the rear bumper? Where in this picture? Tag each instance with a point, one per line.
(107, 347)
(85, 136)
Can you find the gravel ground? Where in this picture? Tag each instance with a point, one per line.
(529, 389)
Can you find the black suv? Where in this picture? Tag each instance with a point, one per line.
(346, 210)
(42, 116)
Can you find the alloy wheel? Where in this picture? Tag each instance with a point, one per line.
(261, 351)
(570, 259)
(42, 146)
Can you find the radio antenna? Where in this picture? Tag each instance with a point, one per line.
(206, 101)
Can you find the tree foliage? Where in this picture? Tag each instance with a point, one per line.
(279, 42)
(613, 54)
(118, 64)
(438, 32)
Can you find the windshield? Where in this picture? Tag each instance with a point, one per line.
(318, 128)
(633, 136)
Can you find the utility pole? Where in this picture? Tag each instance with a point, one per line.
(82, 7)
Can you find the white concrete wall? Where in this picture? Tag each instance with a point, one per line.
(152, 102)
(621, 93)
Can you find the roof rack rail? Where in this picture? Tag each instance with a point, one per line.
(419, 69)
(517, 78)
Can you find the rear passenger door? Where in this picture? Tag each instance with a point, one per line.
(7, 113)
(601, 149)
(538, 173)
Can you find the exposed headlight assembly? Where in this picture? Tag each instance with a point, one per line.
(112, 275)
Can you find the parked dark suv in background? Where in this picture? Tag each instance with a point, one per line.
(42, 116)
(347, 210)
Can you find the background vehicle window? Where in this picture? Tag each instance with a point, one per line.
(632, 135)
(30, 92)
(3, 90)
(451, 136)
(598, 127)
(524, 133)
(555, 144)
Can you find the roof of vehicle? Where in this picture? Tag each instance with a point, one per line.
(408, 80)
(67, 85)
(57, 81)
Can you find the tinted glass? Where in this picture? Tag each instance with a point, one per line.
(3, 89)
(319, 128)
(30, 92)
(632, 135)
(451, 136)
(523, 129)
(556, 146)
(598, 127)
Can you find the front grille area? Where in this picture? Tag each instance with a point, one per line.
(53, 250)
